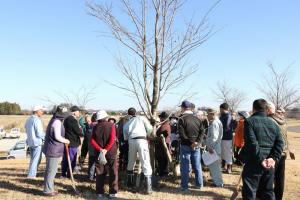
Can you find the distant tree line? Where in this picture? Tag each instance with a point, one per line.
(7, 108)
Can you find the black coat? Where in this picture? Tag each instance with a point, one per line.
(73, 131)
(190, 129)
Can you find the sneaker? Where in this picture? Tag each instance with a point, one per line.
(51, 194)
(112, 196)
(197, 187)
(31, 178)
(100, 196)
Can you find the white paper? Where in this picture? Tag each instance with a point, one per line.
(209, 158)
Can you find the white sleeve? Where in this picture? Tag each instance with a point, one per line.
(57, 131)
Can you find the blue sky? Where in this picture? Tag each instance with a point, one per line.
(54, 45)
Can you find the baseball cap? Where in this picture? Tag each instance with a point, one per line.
(75, 108)
(39, 107)
(186, 104)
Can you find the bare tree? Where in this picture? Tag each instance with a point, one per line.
(80, 97)
(278, 88)
(147, 29)
(227, 94)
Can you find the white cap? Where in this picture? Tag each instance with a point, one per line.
(39, 107)
(271, 106)
(101, 114)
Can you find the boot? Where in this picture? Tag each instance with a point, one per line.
(223, 164)
(229, 169)
(130, 177)
(148, 184)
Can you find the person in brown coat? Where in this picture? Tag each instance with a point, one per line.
(160, 152)
(104, 140)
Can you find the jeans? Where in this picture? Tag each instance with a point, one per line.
(50, 172)
(187, 154)
(64, 163)
(261, 180)
(35, 160)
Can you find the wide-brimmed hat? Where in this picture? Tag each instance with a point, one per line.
(61, 112)
(101, 114)
(211, 110)
(244, 114)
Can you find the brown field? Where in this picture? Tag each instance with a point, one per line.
(14, 185)
(18, 121)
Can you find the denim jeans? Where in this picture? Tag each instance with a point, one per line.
(187, 155)
(35, 160)
(50, 172)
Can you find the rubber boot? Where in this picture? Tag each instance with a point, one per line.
(148, 184)
(130, 181)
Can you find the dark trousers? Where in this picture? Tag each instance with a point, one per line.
(259, 179)
(84, 149)
(64, 163)
(162, 160)
(123, 156)
(279, 178)
(111, 168)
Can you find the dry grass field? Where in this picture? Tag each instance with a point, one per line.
(14, 185)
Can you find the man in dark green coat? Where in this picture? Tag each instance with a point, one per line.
(263, 148)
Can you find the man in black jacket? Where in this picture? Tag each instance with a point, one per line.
(191, 132)
(226, 144)
(72, 133)
(263, 148)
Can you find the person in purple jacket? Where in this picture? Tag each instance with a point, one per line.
(54, 148)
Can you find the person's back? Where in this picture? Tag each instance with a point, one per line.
(190, 129)
(267, 133)
(137, 126)
(73, 131)
(262, 149)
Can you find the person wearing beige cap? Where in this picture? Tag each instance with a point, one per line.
(35, 137)
(213, 144)
(279, 178)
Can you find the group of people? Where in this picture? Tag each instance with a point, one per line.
(258, 142)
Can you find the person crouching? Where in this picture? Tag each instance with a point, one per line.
(104, 141)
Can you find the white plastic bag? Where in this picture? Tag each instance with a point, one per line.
(102, 158)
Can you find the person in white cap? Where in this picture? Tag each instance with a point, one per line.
(104, 140)
(35, 137)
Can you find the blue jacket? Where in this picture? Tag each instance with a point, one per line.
(34, 131)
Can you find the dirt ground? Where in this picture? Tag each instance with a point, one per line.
(14, 185)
